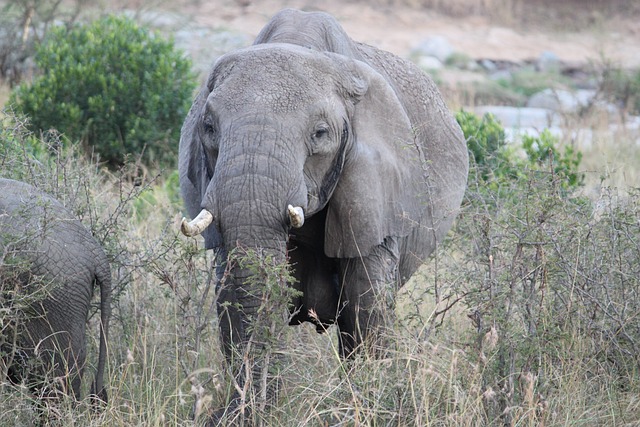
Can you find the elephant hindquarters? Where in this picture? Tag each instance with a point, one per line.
(55, 350)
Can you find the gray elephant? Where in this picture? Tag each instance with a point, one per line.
(49, 256)
(339, 157)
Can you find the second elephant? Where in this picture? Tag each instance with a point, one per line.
(49, 257)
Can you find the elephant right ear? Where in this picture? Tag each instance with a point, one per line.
(194, 168)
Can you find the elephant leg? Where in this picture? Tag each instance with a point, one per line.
(367, 297)
(63, 357)
(76, 359)
(64, 336)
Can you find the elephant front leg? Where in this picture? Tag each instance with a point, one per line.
(367, 298)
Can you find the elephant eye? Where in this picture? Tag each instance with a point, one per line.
(319, 141)
(209, 132)
(320, 132)
(208, 125)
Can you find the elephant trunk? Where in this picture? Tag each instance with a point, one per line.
(251, 312)
(252, 211)
(255, 269)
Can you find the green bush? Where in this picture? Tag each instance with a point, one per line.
(496, 164)
(488, 149)
(542, 150)
(112, 85)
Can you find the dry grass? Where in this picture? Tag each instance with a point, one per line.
(5, 92)
(165, 364)
(158, 374)
(611, 161)
(610, 146)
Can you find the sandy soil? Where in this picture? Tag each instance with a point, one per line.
(398, 29)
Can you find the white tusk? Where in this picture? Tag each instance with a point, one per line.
(196, 225)
(296, 216)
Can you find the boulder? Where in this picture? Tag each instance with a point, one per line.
(517, 117)
(436, 47)
(429, 63)
(562, 101)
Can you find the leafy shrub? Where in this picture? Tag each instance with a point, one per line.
(114, 86)
(542, 149)
(486, 143)
(497, 163)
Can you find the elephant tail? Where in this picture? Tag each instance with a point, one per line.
(103, 279)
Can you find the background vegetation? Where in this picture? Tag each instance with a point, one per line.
(114, 87)
(527, 315)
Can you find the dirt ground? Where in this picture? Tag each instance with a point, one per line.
(400, 28)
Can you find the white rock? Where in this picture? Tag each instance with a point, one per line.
(560, 100)
(429, 63)
(436, 46)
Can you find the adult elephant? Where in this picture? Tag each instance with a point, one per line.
(332, 154)
(49, 264)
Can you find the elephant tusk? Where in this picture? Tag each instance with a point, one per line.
(196, 225)
(296, 216)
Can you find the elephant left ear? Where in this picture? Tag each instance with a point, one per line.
(195, 169)
(382, 190)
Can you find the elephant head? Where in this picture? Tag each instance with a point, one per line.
(280, 125)
(334, 155)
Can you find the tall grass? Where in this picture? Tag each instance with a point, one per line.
(526, 315)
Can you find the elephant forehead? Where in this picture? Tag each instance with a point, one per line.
(274, 80)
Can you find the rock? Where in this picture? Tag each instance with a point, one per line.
(488, 65)
(562, 101)
(429, 63)
(516, 117)
(548, 61)
(436, 46)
